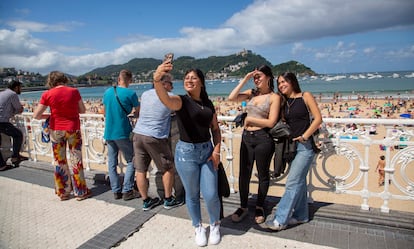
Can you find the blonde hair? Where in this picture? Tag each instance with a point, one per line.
(56, 78)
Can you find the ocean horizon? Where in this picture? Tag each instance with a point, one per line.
(372, 85)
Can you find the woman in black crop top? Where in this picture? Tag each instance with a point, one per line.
(257, 145)
(196, 157)
(293, 206)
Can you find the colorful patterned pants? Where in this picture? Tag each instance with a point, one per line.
(65, 182)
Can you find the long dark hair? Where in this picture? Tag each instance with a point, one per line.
(200, 74)
(293, 81)
(268, 72)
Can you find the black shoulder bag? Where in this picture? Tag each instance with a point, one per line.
(126, 113)
(117, 98)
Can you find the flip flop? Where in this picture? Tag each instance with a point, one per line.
(259, 215)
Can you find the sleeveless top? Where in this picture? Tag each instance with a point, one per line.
(194, 119)
(259, 111)
(297, 116)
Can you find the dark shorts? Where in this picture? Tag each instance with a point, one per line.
(148, 148)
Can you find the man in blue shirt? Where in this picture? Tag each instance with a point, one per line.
(151, 142)
(9, 106)
(119, 102)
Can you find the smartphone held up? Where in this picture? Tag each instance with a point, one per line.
(169, 57)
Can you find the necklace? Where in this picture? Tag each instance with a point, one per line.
(201, 106)
(289, 105)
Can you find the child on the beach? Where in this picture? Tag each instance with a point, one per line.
(380, 170)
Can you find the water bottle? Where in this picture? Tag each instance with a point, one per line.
(243, 104)
(45, 131)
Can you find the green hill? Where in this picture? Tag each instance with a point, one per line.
(215, 67)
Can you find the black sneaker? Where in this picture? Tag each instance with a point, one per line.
(132, 194)
(172, 203)
(117, 196)
(150, 203)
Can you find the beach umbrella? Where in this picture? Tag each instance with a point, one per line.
(405, 115)
(352, 108)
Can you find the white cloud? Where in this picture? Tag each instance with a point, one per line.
(42, 27)
(19, 43)
(263, 24)
(369, 50)
(403, 53)
(23, 11)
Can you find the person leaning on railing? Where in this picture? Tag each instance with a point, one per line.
(64, 131)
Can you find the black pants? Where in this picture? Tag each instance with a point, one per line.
(10, 130)
(255, 146)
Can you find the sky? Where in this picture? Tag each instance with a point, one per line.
(329, 36)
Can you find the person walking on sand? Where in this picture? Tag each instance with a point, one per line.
(380, 169)
(151, 142)
(119, 102)
(257, 144)
(65, 132)
(197, 153)
(296, 108)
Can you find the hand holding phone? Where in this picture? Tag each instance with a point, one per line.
(169, 57)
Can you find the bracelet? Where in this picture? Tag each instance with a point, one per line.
(303, 138)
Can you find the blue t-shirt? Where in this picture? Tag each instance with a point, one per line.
(117, 124)
(154, 117)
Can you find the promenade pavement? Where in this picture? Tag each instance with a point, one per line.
(31, 216)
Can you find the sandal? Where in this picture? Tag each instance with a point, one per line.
(259, 215)
(64, 197)
(84, 196)
(239, 214)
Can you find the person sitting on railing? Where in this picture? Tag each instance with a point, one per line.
(9, 106)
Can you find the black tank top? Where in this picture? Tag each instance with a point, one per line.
(297, 116)
(194, 119)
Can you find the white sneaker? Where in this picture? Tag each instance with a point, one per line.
(214, 237)
(274, 225)
(200, 236)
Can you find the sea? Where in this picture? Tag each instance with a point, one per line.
(371, 85)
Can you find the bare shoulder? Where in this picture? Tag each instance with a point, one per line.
(308, 97)
(275, 97)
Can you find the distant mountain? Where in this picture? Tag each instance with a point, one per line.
(215, 67)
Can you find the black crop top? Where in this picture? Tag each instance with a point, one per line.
(194, 119)
(297, 116)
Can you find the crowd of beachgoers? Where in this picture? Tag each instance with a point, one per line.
(357, 106)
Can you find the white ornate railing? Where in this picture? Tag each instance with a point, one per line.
(337, 140)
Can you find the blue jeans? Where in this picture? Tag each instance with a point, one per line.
(125, 146)
(294, 202)
(197, 173)
(10, 130)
